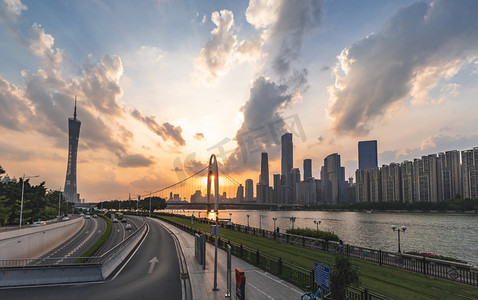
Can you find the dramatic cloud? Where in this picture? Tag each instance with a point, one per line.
(133, 161)
(166, 131)
(217, 52)
(100, 85)
(419, 46)
(286, 24)
(199, 136)
(262, 124)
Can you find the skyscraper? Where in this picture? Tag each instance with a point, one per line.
(264, 179)
(307, 169)
(367, 154)
(240, 194)
(70, 190)
(287, 154)
(331, 174)
(249, 190)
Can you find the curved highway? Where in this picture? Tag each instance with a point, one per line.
(151, 272)
(78, 244)
(119, 233)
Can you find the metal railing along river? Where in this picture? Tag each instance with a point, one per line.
(453, 271)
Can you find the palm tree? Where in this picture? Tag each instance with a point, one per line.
(343, 273)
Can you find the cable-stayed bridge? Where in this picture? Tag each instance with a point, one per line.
(191, 193)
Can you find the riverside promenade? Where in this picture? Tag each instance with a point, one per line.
(259, 284)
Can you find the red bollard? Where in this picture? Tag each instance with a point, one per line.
(240, 284)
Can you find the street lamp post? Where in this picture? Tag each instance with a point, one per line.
(59, 198)
(23, 189)
(398, 230)
(150, 204)
(247, 220)
(274, 228)
(317, 222)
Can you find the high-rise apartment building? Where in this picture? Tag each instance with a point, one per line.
(469, 160)
(362, 185)
(406, 171)
(391, 188)
(367, 154)
(425, 179)
(249, 193)
(70, 190)
(449, 175)
(307, 169)
(375, 185)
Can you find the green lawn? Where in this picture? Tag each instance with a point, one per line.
(387, 281)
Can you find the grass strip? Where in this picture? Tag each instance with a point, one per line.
(90, 252)
(388, 281)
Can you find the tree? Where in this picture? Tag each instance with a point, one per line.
(343, 273)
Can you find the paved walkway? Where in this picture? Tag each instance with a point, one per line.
(259, 284)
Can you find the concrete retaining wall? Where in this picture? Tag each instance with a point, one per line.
(33, 242)
(38, 275)
(111, 264)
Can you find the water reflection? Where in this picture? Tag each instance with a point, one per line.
(454, 235)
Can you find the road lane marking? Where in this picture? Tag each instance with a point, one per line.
(152, 262)
(124, 265)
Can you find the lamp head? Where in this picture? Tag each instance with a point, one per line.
(394, 227)
(404, 228)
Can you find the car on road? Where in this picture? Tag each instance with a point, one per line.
(87, 216)
(65, 219)
(82, 214)
(39, 223)
(95, 216)
(123, 220)
(128, 227)
(115, 220)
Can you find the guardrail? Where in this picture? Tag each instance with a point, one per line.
(457, 272)
(72, 269)
(296, 275)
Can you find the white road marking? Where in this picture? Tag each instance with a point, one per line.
(279, 281)
(152, 262)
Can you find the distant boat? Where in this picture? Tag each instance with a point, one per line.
(370, 211)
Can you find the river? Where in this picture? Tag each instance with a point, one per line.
(448, 234)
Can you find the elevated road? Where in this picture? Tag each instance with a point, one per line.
(119, 233)
(152, 272)
(89, 234)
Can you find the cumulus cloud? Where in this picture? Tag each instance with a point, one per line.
(267, 101)
(134, 161)
(419, 46)
(166, 131)
(286, 24)
(216, 54)
(46, 99)
(199, 136)
(100, 85)
(12, 9)
(283, 26)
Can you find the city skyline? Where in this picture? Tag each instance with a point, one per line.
(149, 87)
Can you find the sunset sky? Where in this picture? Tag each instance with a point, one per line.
(162, 85)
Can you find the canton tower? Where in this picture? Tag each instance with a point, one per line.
(70, 191)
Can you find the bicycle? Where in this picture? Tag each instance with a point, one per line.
(311, 296)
